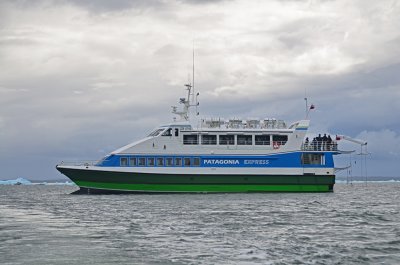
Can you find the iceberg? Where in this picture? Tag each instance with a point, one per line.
(22, 181)
(18, 181)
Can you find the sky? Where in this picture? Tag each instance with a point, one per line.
(80, 79)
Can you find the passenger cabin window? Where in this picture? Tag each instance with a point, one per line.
(167, 132)
(169, 161)
(176, 132)
(190, 139)
(160, 161)
(244, 139)
(124, 161)
(280, 139)
(141, 161)
(178, 161)
(226, 140)
(150, 161)
(262, 140)
(209, 139)
(196, 161)
(187, 161)
(132, 161)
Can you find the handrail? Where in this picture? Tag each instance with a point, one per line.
(319, 146)
(79, 163)
(262, 142)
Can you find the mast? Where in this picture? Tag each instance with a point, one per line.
(193, 70)
(184, 114)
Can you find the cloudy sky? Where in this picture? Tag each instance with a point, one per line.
(80, 78)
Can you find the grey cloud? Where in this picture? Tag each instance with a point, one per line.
(81, 78)
(94, 6)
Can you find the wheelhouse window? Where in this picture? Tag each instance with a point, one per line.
(124, 161)
(190, 139)
(187, 162)
(132, 161)
(160, 161)
(244, 139)
(280, 139)
(150, 161)
(196, 161)
(178, 161)
(168, 132)
(226, 139)
(209, 139)
(155, 133)
(262, 140)
(141, 161)
(169, 161)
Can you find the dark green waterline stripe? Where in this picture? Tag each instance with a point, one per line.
(203, 188)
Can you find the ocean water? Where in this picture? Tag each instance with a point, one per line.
(356, 224)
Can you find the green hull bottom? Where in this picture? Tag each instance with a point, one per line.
(97, 181)
(199, 188)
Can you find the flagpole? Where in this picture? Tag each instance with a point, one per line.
(305, 98)
(306, 107)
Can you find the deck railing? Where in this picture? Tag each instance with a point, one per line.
(319, 146)
(79, 163)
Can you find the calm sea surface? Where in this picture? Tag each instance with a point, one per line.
(356, 224)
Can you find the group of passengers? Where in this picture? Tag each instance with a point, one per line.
(321, 143)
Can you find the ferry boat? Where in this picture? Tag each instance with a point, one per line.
(215, 156)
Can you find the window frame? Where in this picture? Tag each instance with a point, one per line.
(167, 132)
(172, 161)
(262, 141)
(132, 159)
(280, 141)
(126, 161)
(198, 160)
(191, 141)
(245, 141)
(157, 161)
(178, 159)
(187, 159)
(226, 142)
(142, 159)
(151, 164)
(209, 141)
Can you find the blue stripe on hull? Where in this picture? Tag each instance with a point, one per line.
(283, 160)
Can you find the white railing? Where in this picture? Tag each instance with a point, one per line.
(319, 146)
(79, 163)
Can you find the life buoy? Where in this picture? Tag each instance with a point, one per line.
(276, 145)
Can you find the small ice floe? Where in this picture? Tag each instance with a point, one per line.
(18, 181)
(22, 181)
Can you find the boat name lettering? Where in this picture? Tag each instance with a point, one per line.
(256, 162)
(221, 162)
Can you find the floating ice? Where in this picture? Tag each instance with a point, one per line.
(18, 181)
(22, 181)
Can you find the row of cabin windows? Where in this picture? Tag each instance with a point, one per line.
(230, 139)
(159, 161)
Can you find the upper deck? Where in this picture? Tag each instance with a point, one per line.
(229, 137)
